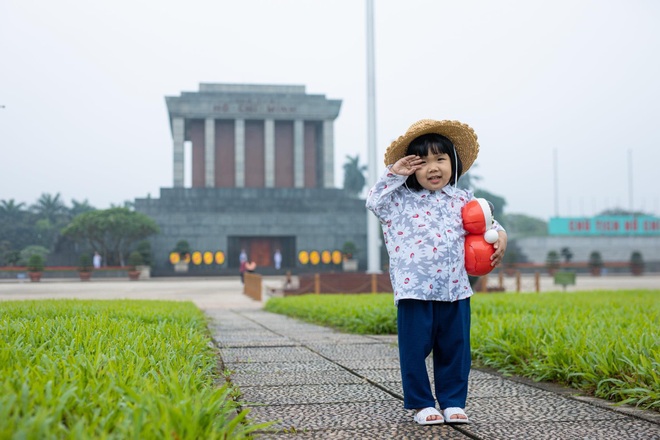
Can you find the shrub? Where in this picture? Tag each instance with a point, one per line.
(35, 263)
(182, 248)
(135, 259)
(85, 263)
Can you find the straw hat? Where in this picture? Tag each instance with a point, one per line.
(462, 136)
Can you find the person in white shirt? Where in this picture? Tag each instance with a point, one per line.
(277, 259)
(419, 207)
(96, 260)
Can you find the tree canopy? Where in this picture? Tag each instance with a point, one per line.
(111, 232)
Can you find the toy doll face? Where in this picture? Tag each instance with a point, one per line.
(435, 172)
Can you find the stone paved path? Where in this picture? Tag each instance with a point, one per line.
(322, 384)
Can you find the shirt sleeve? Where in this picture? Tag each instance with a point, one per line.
(379, 199)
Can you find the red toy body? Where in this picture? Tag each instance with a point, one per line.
(477, 220)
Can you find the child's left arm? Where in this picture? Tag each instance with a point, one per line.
(500, 248)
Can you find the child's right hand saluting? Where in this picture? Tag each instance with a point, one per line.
(407, 165)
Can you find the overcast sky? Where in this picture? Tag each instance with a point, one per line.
(83, 86)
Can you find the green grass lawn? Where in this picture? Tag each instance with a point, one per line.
(603, 343)
(112, 369)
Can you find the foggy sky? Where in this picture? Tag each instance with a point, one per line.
(83, 86)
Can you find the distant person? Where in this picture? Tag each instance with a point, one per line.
(419, 208)
(277, 258)
(242, 258)
(96, 260)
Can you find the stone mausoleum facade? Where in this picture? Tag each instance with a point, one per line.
(262, 179)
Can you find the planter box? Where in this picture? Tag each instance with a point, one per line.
(350, 265)
(181, 267)
(145, 272)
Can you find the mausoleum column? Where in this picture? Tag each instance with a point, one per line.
(177, 156)
(298, 154)
(239, 142)
(209, 152)
(328, 154)
(269, 153)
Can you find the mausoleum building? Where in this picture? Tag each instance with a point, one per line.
(262, 179)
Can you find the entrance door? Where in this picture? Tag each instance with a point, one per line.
(260, 252)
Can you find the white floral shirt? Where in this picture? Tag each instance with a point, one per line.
(425, 239)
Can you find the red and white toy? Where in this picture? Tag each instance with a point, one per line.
(478, 221)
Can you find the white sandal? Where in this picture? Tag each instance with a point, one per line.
(448, 412)
(423, 414)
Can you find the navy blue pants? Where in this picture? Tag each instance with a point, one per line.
(444, 329)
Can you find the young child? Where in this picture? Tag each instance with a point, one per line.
(419, 207)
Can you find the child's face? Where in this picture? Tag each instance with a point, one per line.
(435, 172)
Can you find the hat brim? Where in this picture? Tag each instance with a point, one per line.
(461, 135)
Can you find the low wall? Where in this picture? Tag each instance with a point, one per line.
(341, 283)
(18, 272)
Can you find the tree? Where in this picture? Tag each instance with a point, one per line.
(111, 232)
(354, 179)
(519, 226)
(50, 208)
(468, 180)
(10, 210)
(497, 201)
(620, 211)
(78, 208)
(16, 228)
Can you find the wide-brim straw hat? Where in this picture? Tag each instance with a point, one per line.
(461, 135)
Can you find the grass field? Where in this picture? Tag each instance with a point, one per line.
(112, 369)
(603, 343)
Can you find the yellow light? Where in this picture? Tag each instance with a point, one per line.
(174, 257)
(326, 257)
(314, 257)
(219, 257)
(208, 257)
(303, 257)
(336, 257)
(197, 258)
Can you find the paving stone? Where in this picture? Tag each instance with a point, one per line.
(252, 339)
(408, 431)
(338, 416)
(479, 387)
(543, 407)
(308, 394)
(257, 368)
(265, 354)
(380, 375)
(364, 364)
(242, 380)
(332, 338)
(339, 352)
(619, 429)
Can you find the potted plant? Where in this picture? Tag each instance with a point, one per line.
(35, 267)
(85, 267)
(134, 260)
(183, 249)
(552, 262)
(636, 263)
(595, 263)
(348, 251)
(144, 248)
